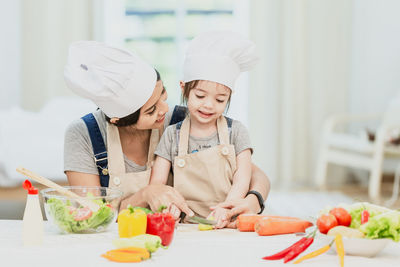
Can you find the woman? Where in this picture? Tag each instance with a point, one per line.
(131, 117)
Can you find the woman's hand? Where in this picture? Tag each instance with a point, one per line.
(236, 207)
(157, 195)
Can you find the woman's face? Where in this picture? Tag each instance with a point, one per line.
(152, 113)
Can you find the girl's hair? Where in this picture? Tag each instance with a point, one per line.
(132, 118)
(192, 84)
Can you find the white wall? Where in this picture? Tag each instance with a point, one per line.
(303, 77)
(10, 17)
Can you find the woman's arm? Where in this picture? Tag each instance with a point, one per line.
(82, 179)
(259, 181)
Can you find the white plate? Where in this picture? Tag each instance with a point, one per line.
(360, 246)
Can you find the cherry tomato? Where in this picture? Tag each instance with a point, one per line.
(82, 214)
(342, 216)
(71, 209)
(364, 216)
(326, 222)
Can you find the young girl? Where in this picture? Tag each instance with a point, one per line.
(210, 154)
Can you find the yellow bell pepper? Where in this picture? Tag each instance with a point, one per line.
(131, 222)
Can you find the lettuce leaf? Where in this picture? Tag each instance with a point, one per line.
(385, 225)
(356, 209)
(63, 217)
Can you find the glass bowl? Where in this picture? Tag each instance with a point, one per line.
(92, 212)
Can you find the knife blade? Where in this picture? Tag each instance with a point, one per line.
(197, 219)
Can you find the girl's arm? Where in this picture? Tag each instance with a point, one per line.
(160, 171)
(239, 189)
(241, 177)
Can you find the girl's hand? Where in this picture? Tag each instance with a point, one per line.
(221, 216)
(239, 206)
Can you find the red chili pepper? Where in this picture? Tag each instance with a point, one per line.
(161, 224)
(364, 216)
(296, 250)
(281, 254)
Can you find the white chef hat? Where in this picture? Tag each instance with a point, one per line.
(218, 56)
(118, 81)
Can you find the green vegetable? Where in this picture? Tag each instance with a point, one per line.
(384, 225)
(149, 242)
(147, 211)
(63, 215)
(356, 209)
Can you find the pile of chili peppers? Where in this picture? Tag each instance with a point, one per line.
(294, 250)
(297, 248)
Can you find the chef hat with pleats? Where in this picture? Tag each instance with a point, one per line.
(218, 56)
(118, 81)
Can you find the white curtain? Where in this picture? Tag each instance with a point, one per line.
(303, 77)
(47, 29)
(10, 36)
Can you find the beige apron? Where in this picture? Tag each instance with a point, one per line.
(204, 178)
(128, 183)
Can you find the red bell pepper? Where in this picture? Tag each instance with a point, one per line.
(161, 224)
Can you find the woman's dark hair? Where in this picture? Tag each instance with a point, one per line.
(132, 118)
(192, 84)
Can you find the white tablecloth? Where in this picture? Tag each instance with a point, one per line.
(190, 247)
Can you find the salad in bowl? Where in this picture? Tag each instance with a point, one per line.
(93, 211)
(366, 228)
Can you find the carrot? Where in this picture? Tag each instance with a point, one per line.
(246, 222)
(278, 226)
(130, 254)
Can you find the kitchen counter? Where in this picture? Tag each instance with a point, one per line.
(190, 247)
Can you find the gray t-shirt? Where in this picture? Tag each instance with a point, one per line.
(78, 150)
(168, 148)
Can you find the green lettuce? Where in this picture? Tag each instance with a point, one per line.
(384, 225)
(63, 217)
(356, 209)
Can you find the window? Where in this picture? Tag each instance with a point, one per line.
(159, 30)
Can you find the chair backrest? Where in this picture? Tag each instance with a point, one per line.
(391, 117)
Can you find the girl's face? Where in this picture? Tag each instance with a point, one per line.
(207, 101)
(152, 113)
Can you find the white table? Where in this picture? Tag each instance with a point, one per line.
(190, 247)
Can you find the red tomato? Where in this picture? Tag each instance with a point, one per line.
(71, 209)
(342, 216)
(364, 216)
(82, 214)
(326, 222)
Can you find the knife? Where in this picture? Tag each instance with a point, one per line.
(197, 219)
